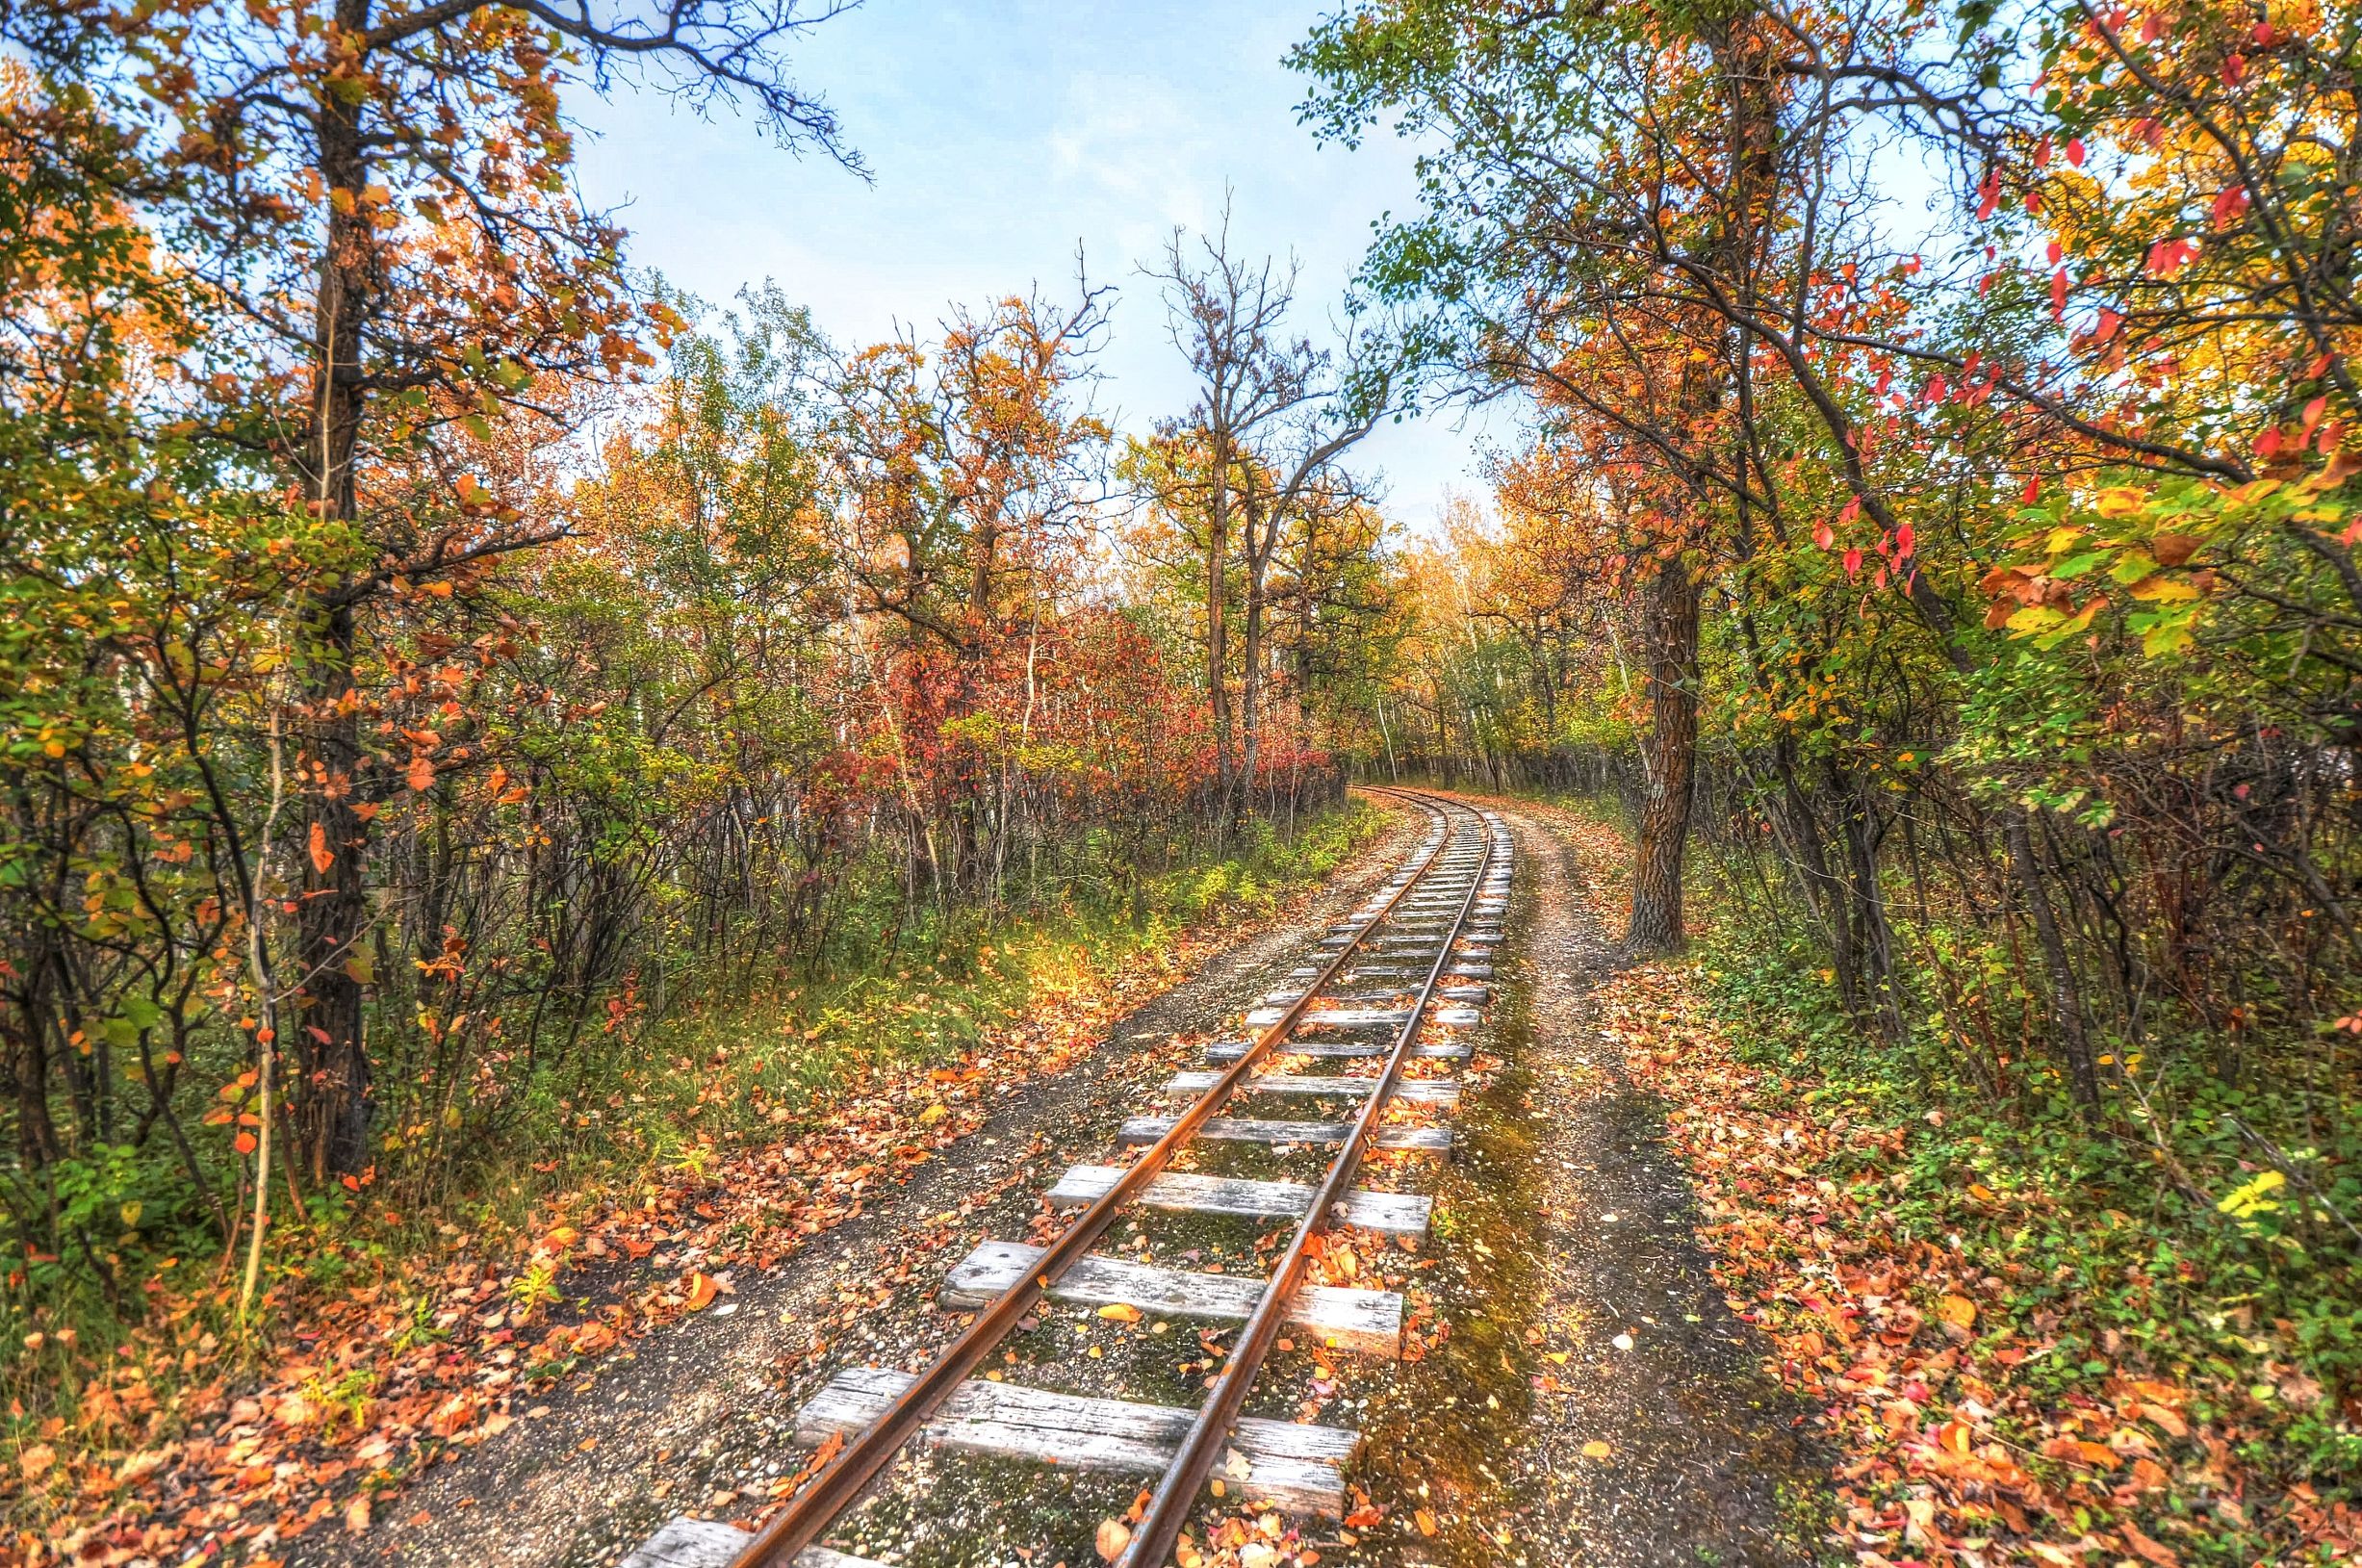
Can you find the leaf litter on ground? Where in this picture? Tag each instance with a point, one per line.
(1956, 1440)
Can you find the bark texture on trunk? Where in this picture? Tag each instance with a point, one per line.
(1218, 630)
(1672, 631)
(331, 1087)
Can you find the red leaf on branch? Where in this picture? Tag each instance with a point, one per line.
(2168, 257)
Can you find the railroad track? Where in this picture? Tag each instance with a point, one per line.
(1366, 1018)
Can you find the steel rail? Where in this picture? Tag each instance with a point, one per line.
(841, 1480)
(1185, 1477)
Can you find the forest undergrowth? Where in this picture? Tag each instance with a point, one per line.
(2033, 1337)
(720, 1139)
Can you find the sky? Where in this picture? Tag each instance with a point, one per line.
(999, 137)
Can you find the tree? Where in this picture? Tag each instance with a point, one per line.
(969, 470)
(1273, 417)
(374, 194)
(1599, 166)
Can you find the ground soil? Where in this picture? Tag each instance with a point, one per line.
(1561, 1226)
(1597, 1401)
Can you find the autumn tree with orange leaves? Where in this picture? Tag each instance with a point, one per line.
(375, 196)
(1988, 366)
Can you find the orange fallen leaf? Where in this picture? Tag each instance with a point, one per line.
(1113, 1536)
(2156, 1552)
(1597, 1450)
(1425, 1522)
(702, 1289)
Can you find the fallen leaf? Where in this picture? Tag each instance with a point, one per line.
(1597, 1450)
(1120, 1312)
(1113, 1536)
(701, 1292)
(356, 1514)
(2156, 1552)
(1957, 1310)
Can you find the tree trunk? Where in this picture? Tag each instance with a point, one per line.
(1672, 631)
(1873, 996)
(1217, 631)
(1250, 683)
(331, 1093)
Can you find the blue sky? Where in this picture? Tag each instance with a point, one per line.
(1001, 135)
